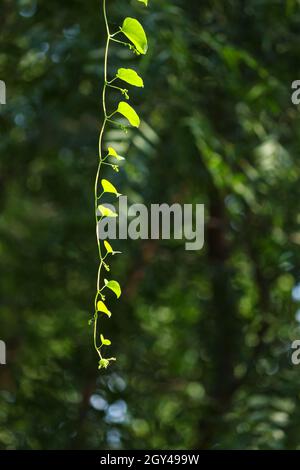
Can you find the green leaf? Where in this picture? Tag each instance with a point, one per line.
(114, 286)
(129, 113)
(105, 342)
(109, 188)
(102, 308)
(106, 212)
(130, 76)
(112, 153)
(133, 29)
(108, 247)
(144, 1)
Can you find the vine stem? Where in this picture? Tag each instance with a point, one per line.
(98, 175)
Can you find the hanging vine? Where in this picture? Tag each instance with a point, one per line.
(133, 31)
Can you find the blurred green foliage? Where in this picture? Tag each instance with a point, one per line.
(202, 338)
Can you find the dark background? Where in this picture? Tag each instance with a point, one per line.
(202, 338)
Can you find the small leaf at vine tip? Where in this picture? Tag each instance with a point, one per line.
(113, 153)
(114, 286)
(101, 307)
(103, 363)
(106, 212)
(144, 1)
(108, 247)
(129, 113)
(133, 29)
(109, 188)
(130, 76)
(105, 342)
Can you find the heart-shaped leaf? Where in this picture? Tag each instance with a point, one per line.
(130, 76)
(106, 212)
(129, 113)
(101, 307)
(109, 188)
(114, 286)
(133, 29)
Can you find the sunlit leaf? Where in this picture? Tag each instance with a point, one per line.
(105, 342)
(114, 286)
(109, 187)
(106, 212)
(130, 76)
(129, 113)
(133, 29)
(110, 250)
(101, 307)
(112, 153)
(108, 247)
(144, 1)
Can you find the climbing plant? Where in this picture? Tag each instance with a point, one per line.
(132, 31)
